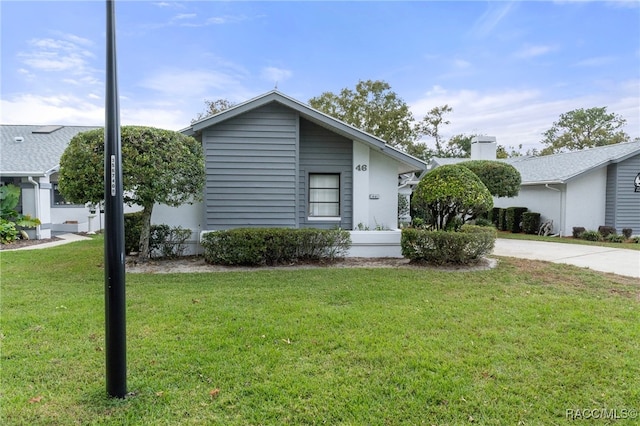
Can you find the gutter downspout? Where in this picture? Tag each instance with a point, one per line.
(36, 187)
(561, 225)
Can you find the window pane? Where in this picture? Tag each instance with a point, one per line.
(324, 195)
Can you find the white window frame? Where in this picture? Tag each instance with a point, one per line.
(310, 216)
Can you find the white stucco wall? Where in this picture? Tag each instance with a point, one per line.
(383, 192)
(539, 199)
(189, 216)
(580, 202)
(586, 201)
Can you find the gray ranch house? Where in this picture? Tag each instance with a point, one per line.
(275, 162)
(587, 188)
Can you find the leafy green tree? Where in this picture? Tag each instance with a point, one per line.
(501, 179)
(584, 128)
(372, 107)
(158, 166)
(212, 108)
(431, 125)
(450, 193)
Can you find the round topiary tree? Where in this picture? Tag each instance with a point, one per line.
(450, 193)
(500, 178)
(158, 166)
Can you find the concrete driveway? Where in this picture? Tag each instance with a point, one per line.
(618, 261)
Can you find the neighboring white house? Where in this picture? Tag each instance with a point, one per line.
(587, 188)
(30, 159)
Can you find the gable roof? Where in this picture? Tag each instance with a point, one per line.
(409, 162)
(29, 150)
(561, 168)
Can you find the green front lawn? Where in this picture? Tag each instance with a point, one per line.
(518, 344)
(566, 240)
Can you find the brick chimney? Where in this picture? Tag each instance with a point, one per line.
(483, 148)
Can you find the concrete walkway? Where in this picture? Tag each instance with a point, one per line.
(605, 259)
(64, 239)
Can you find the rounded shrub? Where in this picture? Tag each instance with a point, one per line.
(449, 192)
(500, 178)
(591, 236)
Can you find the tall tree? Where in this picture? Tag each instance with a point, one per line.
(212, 108)
(584, 128)
(158, 166)
(431, 125)
(372, 107)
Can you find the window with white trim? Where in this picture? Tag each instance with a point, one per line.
(324, 195)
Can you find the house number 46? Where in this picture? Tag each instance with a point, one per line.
(361, 167)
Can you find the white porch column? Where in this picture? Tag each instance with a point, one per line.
(361, 166)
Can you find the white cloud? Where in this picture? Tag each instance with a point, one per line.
(534, 51)
(596, 61)
(520, 116)
(185, 84)
(496, 12)
(61, 109)
(275, 75)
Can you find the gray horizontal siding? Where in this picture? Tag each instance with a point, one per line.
(251, 169)
(322, 151)
(628, 201)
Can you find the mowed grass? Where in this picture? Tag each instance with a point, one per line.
(518, 344)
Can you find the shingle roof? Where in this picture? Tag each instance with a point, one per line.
(37, 153)
(560, 168)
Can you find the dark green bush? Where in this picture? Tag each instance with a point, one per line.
(501, 179)
(440, 247)
(272, 246)
(614, 238)
(627, 232)
(605, 231)
(513, 216)
(495, 215)
(577, 230)
(591, 236)
(132, 230)
(168, 242)
(502, 219)
(530, 222)
(484, 222)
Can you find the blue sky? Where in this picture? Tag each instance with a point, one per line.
(508, 69)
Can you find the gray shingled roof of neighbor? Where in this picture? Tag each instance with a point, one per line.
(560, 168)
(39, 151)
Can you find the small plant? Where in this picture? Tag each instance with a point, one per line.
(168, 242)
(605, 231)
(614, 238)
(577, 230)
(10, 218)
(132, 230)
(627, 232)
(591, 236)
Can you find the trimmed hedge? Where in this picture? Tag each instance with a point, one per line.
(272, 246)
(530, 222)
(132, 230)
(440, 247)
(502, 219)
(513, 216)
